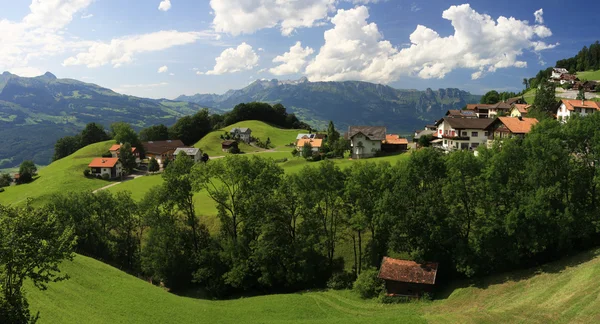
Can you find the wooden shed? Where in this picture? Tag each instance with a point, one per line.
(226, 145)
(407, 278)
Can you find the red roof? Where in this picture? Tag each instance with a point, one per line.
(408, 271)
(103, 163)
(394, 139)
(572, 104)
(518, 125)
(117, 147)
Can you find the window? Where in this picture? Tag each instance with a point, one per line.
(486, 134)
(446, 132)
(577, 110)
(445, 142)
(440, 131)
(474, 145)
(464, 146)
(475, 134)
(464, 134)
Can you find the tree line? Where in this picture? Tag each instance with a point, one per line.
(587, 59)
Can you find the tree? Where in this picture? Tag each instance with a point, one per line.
(124, 133)
(93, 133)
(26, 171)
(491, 97)
(581, 94)
(332, 135)
(5, 180)
(32, 245)
(545, 99)
(66, 146)
(127, 158)
(153, 165)
(154, 133)
(425, 141)
(204, 158)
(307, 150)
(526, 83)
(165, 163)
(190, 129)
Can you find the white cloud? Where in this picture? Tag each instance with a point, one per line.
(164, 5)
(237, 17)
(234, 60)
(364, 1)
(53, 14)
(26, 71)
(163, 69)
(293, 61)
(121, 51)
(88, 16)
(171, 74)
(355, 49)
(414, 7)
(539, 16)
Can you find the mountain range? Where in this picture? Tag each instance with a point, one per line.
(346, 103)
(35, 112)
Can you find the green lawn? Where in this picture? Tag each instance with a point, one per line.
(279, 137)
(63, 175)
(589, 75)
(563, 292)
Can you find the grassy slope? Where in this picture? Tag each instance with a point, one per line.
(589, 75)
(565, 291)
(211, 143)
(63, 175)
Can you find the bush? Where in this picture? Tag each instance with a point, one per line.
(385, 299)
(330, 155)
(1, 189)
(281, 160)
(234, 150)
(295, 152)
(86, 173)
(341, 280)
(105, 176)
(367, 285)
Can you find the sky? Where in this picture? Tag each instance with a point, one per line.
(166, 48)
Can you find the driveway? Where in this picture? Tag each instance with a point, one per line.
(572, 94)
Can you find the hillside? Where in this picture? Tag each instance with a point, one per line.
(565, 291)
(346, 103)
(35, 112)
(63, 175)
(589, 75)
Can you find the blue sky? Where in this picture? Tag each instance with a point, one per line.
(155, 48)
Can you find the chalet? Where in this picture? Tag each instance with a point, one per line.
(192, 152)
(407, 278)
(506, 127)
(587, 86)
(242, 134)
(582, 107)
(456, 113)
(365, 141)
(558, 72)
(226, 145)
(106, 166)
(519, 110)
(314, 143)
(462, 133)
(420, 133)
(161, 150)
(394, 143)
(515, 100)
(114, 151)
(481, 110)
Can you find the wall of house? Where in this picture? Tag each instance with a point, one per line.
(563, 114)
(515, 113)
(369, 147)
(406, 288)
(473, 142)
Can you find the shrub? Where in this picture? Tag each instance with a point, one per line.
(367, 285)
(385, 299)
(341, 280)
(234, 150)
(281, 160)
(1, 189)
(330, 155)
(295, 152)
(86, 173)
(105, 176)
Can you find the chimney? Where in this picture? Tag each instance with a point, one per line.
(520, 117)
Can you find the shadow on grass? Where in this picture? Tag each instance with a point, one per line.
(518, 275)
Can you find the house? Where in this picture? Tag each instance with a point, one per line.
(242, 134)
(114, 151)
(106, 166)
(462, 133)
(460, 114)
(481, 110)
(587, 86)
(394, 143)
(519, 110)
(501, 108)
(568, 78)
(506, 127)
(226, 145)
(407, 278)
(558, 72)
(192, 152)
(431, 127)
(515, 100)
(16, 177)
(315, 144)
(161, 150)
(420, 133)
(570, 107)
(304, 136)
(365, 141)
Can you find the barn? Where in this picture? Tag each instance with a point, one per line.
(407, 278)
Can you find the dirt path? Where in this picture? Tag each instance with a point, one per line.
(129, 178)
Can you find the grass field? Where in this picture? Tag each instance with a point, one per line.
(63, 175)
(561, 292)
(589, 75)
(279, 137)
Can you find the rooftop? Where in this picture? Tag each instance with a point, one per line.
(394, 139)
(117, 147)
(159, 147)
(518, 125)
(572, 104)
(187, 150)
(374, 133)
(467, 123)
(103, 163)
(313, 142)
(408, 271)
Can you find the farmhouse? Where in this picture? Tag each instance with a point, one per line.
(314, 143)
(407, 278)
(228, 144)
(587, 86)
(365, 141)
(192, 152)
(114, 151)
(394, 143)
(519, 110)
(505, 127)
(242, 134)
(462, 133)
(109, 166)
(582, 107)
(558, 72)
(161, 150)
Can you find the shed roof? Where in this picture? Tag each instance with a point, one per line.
(160, 147)
(408, 271)
(103, 163)
(518, 125)
(374, 133)
(187, 150)
(228, 142)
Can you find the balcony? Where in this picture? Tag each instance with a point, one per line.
(456, 138)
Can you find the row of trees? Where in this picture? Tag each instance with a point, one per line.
(587, 59)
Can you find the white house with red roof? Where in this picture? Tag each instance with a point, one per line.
(568, 108)
(110, 166)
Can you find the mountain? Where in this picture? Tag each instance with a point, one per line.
(346, 103)
(35, 112)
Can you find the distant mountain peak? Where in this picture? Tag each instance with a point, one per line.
(47, 76)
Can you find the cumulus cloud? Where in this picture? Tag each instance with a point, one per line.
(121, 51)
(355, 49)
(237, 17)
(234, 60)
(54, 14)
(293, 61)
(163, 69)
(88, 16)
(539, 16)
(164, 5)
